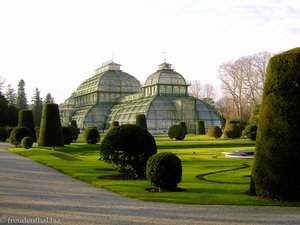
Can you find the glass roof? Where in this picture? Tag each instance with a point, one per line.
(110, 81)
(165, 75)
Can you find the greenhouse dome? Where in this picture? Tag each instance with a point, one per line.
(94, 98)
(112, 95)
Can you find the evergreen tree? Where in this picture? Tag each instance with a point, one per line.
(37, 107)
(11, 96)
(3, 110)
(49, 99)
(276, 164)
(21, 96)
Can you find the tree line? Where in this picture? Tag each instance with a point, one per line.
(11, 102)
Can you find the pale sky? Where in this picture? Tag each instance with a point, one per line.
(55, 45)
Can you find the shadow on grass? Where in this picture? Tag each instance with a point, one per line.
(202, 176)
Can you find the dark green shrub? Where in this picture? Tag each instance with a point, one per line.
(200, 127)
(3, 134)
(164, 170)
(17, 134)
(115, 123)
(214, 131)
(91, 135)
(176, 132)
(276, 165)
(183, 124)
(26, 120)
(232, 131)
(37, 133)
(9, 130)
(250, 132)
(128, 147)
(51, 133)
(68, 134)
(75, 130)
(141, 121)
(26, 142)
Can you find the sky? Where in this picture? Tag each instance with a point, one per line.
(54, 45)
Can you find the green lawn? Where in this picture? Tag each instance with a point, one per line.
(225, 181)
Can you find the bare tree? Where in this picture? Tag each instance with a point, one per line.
(195, 89)
(243, 81)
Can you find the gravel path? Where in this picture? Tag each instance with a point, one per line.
(31, 193)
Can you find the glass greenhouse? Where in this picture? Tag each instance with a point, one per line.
(112, 95)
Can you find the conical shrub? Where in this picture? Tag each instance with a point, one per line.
(276, 166)
(51, 133)
(26, 120)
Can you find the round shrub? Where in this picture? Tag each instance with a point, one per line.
(250, 132)
(232, 131)
(68, 134)
(26, 142)
(164, 170)
(215, 131)
(3, 134)
(128, 147)
(176, 132)
(17, 134)
(276, 164)
(91, 135)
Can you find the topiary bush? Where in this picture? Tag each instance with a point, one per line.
(26, 142)
(51, 133)
(91, 135)
(200, 127)
(214, 131)
(276, 165)
(164, 170)
(26, 120)
(68, 134)
(183, 124)
(141, 121)
(250, 132)
(232, 131)
(3, 134)
(176, 132)
(128, 147)
(17, 134)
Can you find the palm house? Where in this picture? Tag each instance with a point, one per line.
(113, 95)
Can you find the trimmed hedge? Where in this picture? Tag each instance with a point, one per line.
(26, 120)
(164, 170)
(176, 132)
(200, 127)
(26, 142)
(128, 147)
(183, 124)
(276, 165)
(68, 134)
(3, 134)
(141, 121)
(51, 133)
(91, 135)
(17, 134)
(214, 131)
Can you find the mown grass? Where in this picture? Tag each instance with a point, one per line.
(227, 181)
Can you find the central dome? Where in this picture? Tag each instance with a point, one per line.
(165, 75)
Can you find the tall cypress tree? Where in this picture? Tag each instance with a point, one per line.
(21, 96)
